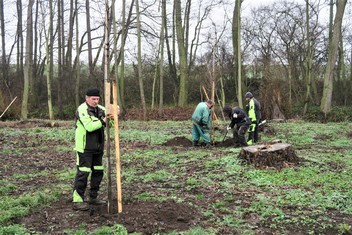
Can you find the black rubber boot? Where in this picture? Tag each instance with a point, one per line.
(196, 143)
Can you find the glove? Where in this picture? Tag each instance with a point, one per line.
(235, 115)
(228, 128)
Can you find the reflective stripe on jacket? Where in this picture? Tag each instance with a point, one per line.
(89, 136)
(254, 110)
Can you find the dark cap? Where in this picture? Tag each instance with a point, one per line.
(248, 95)
(93, 91)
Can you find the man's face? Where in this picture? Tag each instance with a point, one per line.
(92, 101)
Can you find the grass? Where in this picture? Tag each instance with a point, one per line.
(313, 197)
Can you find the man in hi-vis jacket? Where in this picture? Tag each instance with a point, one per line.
(253, 112)
(89, 145)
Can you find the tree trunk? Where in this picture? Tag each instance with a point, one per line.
(140, 79)
(4, 61)
(115, 52)
(89, 37)
(325, 105)
(59, 57)
(28, 61)
(236, 40)
(155, 77)
(161, 73)
(19, 67)
(309, 62)
(50, 64)
(107, 97)
(77, 62)
(182, 99)
(3, 43)
(171, 55)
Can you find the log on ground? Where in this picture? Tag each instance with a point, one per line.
(276, 155)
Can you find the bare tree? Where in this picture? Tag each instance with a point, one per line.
(236, 41)
(77, 66)
(309, 61)
(89, 33)
(161, 66)
(19, 67)
(28, 61)
(139, 58)
(4, 62)
(181, 43)
(49, 42)
(59, 55)
(3, 43)
(325, 104)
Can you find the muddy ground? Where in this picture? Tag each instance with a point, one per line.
(146, 217)
(138, 216)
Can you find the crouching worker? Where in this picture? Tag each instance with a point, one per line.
(201, 119)
(91, 120)
(239, 123)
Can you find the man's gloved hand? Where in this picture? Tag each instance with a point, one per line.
(228, 128)
(235, 115)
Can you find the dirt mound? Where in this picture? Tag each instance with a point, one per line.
(178, 141)
(184, 142)
(225, 143)
(141, 216)
(155, 217)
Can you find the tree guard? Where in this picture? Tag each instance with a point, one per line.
(276, 155)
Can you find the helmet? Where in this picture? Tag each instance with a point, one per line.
(248, 95)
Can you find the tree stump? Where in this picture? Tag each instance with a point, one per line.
(276, 155)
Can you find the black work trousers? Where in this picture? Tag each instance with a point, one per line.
(239, 135)
(89, 163)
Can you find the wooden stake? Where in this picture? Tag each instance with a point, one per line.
(8, 107)
(117, 148)
(206, 95)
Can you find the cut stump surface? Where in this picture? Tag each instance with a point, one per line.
(276, 155)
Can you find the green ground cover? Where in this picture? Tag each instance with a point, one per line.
(312, 198)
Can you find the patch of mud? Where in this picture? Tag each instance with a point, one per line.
(139, 216)
(184, 142)
(178, 141)
(225, 143)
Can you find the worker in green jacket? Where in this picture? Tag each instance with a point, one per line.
(253, 112)
(89, 145)
(201, 119)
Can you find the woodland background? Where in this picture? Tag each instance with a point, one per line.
(294, 56)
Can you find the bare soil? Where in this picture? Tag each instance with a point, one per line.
(146, 217)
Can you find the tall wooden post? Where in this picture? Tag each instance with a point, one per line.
(117, 149)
